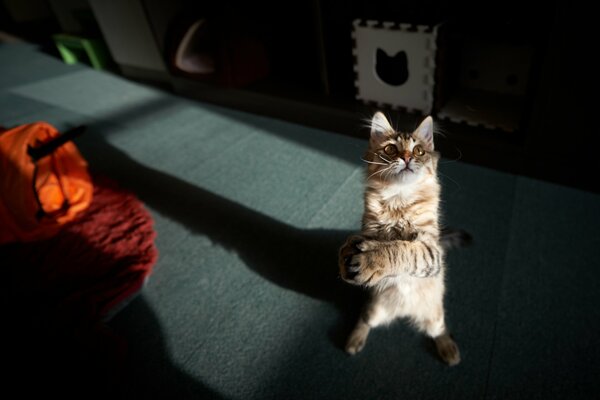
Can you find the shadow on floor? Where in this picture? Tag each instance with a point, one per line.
(54, 344)
(304, 261)
(149, 372)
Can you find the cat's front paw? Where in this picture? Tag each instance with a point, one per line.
(361, 269)
(347, 251)
(357, 261)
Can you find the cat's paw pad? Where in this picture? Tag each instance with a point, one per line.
(348, 251)
(361, 269)
(356, 261)
(351, 268)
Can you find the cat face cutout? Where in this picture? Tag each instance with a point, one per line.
(392, 70)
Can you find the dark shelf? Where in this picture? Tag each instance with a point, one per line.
(311, 79)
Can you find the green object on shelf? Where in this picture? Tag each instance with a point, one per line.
(74, 49)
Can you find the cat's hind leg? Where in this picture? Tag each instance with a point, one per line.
(380, 310)
(433, 324)
(447, 349)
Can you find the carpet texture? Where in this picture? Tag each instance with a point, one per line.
(244, 301)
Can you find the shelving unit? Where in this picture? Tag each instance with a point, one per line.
(501, 124)
(312, 80)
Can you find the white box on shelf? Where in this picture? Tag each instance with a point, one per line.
(395, 64)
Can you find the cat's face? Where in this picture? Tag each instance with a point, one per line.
(396, 157)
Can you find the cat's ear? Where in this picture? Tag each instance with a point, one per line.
(425, 133)
(380, 126)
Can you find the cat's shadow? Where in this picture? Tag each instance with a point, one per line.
(304, 261)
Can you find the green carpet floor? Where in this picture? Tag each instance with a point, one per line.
(244, 301)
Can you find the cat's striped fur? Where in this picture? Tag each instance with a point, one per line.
(399, 254)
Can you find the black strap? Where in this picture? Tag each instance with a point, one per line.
(47, 148)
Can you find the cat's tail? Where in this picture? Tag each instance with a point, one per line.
(454, 238)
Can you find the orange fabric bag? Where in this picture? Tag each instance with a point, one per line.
(44, 182)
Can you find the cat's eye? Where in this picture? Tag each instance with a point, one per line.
(418, 150)
(390, 150)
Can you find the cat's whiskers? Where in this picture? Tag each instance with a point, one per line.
(390, 170)
(451, 180)
(387, 160)
(373, 162)
(455, 159)
(385, 172)
(379, 172)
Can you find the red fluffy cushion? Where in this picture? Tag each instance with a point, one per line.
(94, 263)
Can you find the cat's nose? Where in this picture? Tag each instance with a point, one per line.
(406, 156)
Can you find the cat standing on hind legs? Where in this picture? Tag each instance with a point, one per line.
(399, 254)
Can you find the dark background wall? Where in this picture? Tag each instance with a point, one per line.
(311, 79)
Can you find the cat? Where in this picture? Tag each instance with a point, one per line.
(399, 254)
